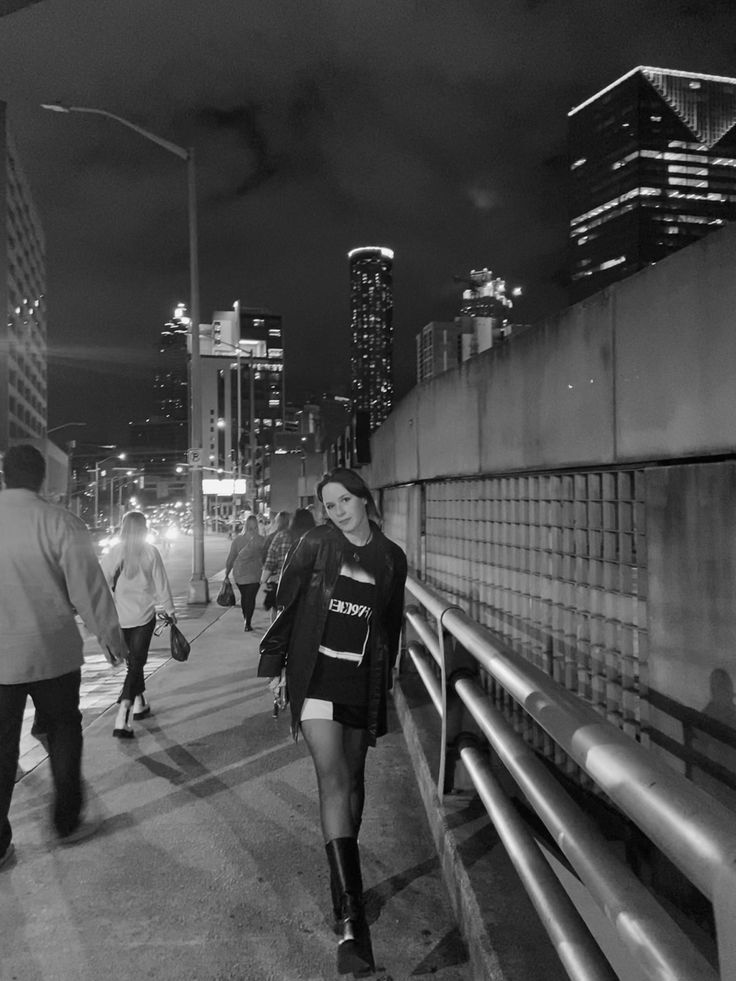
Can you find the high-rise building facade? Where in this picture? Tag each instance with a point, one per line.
(23, 367)
(652, 169)
(243, 397)
(158, 443)
(371, 353)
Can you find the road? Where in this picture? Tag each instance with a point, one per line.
(101, 683)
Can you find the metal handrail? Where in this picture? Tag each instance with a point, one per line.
(695, 831)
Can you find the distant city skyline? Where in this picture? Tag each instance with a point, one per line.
(440, 129)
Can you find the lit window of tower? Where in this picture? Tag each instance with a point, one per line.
(371, 354)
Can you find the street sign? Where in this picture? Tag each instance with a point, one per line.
(194, 458)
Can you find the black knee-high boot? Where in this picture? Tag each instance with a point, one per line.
(354, 950)
(335, 892)
(336, 904)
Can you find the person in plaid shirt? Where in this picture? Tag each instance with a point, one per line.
(278, 545)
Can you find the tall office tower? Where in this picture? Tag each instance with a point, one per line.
(484, 311)
(261, 334)
(243, 400)
(159, 441)
(23, 371)
(371, 354)
(652, 169)
(171, 375)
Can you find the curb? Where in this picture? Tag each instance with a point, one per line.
(484, 963)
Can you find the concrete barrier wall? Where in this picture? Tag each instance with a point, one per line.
(642, 371)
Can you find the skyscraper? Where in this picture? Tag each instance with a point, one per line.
(23, 370)
(371, 353)
(652, 169)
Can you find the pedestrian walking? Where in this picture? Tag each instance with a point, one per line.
(137, 577)
(340, 599)
(275, 550)
(245, 561)
(299, 525)
(48, 573)
(279, 524)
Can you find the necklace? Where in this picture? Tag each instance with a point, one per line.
(369, 539)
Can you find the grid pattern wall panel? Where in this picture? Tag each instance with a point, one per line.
(394, 507)
(554, 564)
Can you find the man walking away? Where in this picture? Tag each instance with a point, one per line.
(48, 572)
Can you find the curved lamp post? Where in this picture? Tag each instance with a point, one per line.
(64, 425)
(198, 586)
(69, 450)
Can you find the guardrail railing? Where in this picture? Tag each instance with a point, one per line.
(696, 832)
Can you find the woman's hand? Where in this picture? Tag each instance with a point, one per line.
(277, 683)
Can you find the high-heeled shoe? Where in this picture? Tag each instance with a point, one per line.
(123, 728)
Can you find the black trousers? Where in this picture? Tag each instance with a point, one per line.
(57, 701)
(138, 640)
(248, 593)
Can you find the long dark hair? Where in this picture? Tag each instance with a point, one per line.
(354, 484)
(302, 521)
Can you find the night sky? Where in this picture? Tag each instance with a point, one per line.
(436, 128)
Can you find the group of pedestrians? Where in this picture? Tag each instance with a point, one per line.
(331, 646)
(255, 560)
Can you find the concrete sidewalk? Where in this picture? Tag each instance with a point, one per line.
(209, 865)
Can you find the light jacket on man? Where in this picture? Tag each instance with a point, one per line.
(48, 573)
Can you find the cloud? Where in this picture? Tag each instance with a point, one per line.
(244, 122)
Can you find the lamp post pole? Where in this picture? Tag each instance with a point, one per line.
(252, 434)
(198, 586)
(97, 495)
(240, 415)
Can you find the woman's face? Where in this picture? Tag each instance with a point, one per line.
(344, 509)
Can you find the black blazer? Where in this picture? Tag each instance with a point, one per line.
(305, 590)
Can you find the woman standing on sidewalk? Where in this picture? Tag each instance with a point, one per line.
(136, 575)
(246, 561)
(341, 599)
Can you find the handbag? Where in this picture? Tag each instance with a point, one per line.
(226, 596)
(269, 595)
(179, 645)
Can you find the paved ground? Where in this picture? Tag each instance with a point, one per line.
(209, 865)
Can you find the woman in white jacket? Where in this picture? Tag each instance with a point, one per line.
(136, 575)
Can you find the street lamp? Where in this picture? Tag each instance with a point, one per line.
(198, 586)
